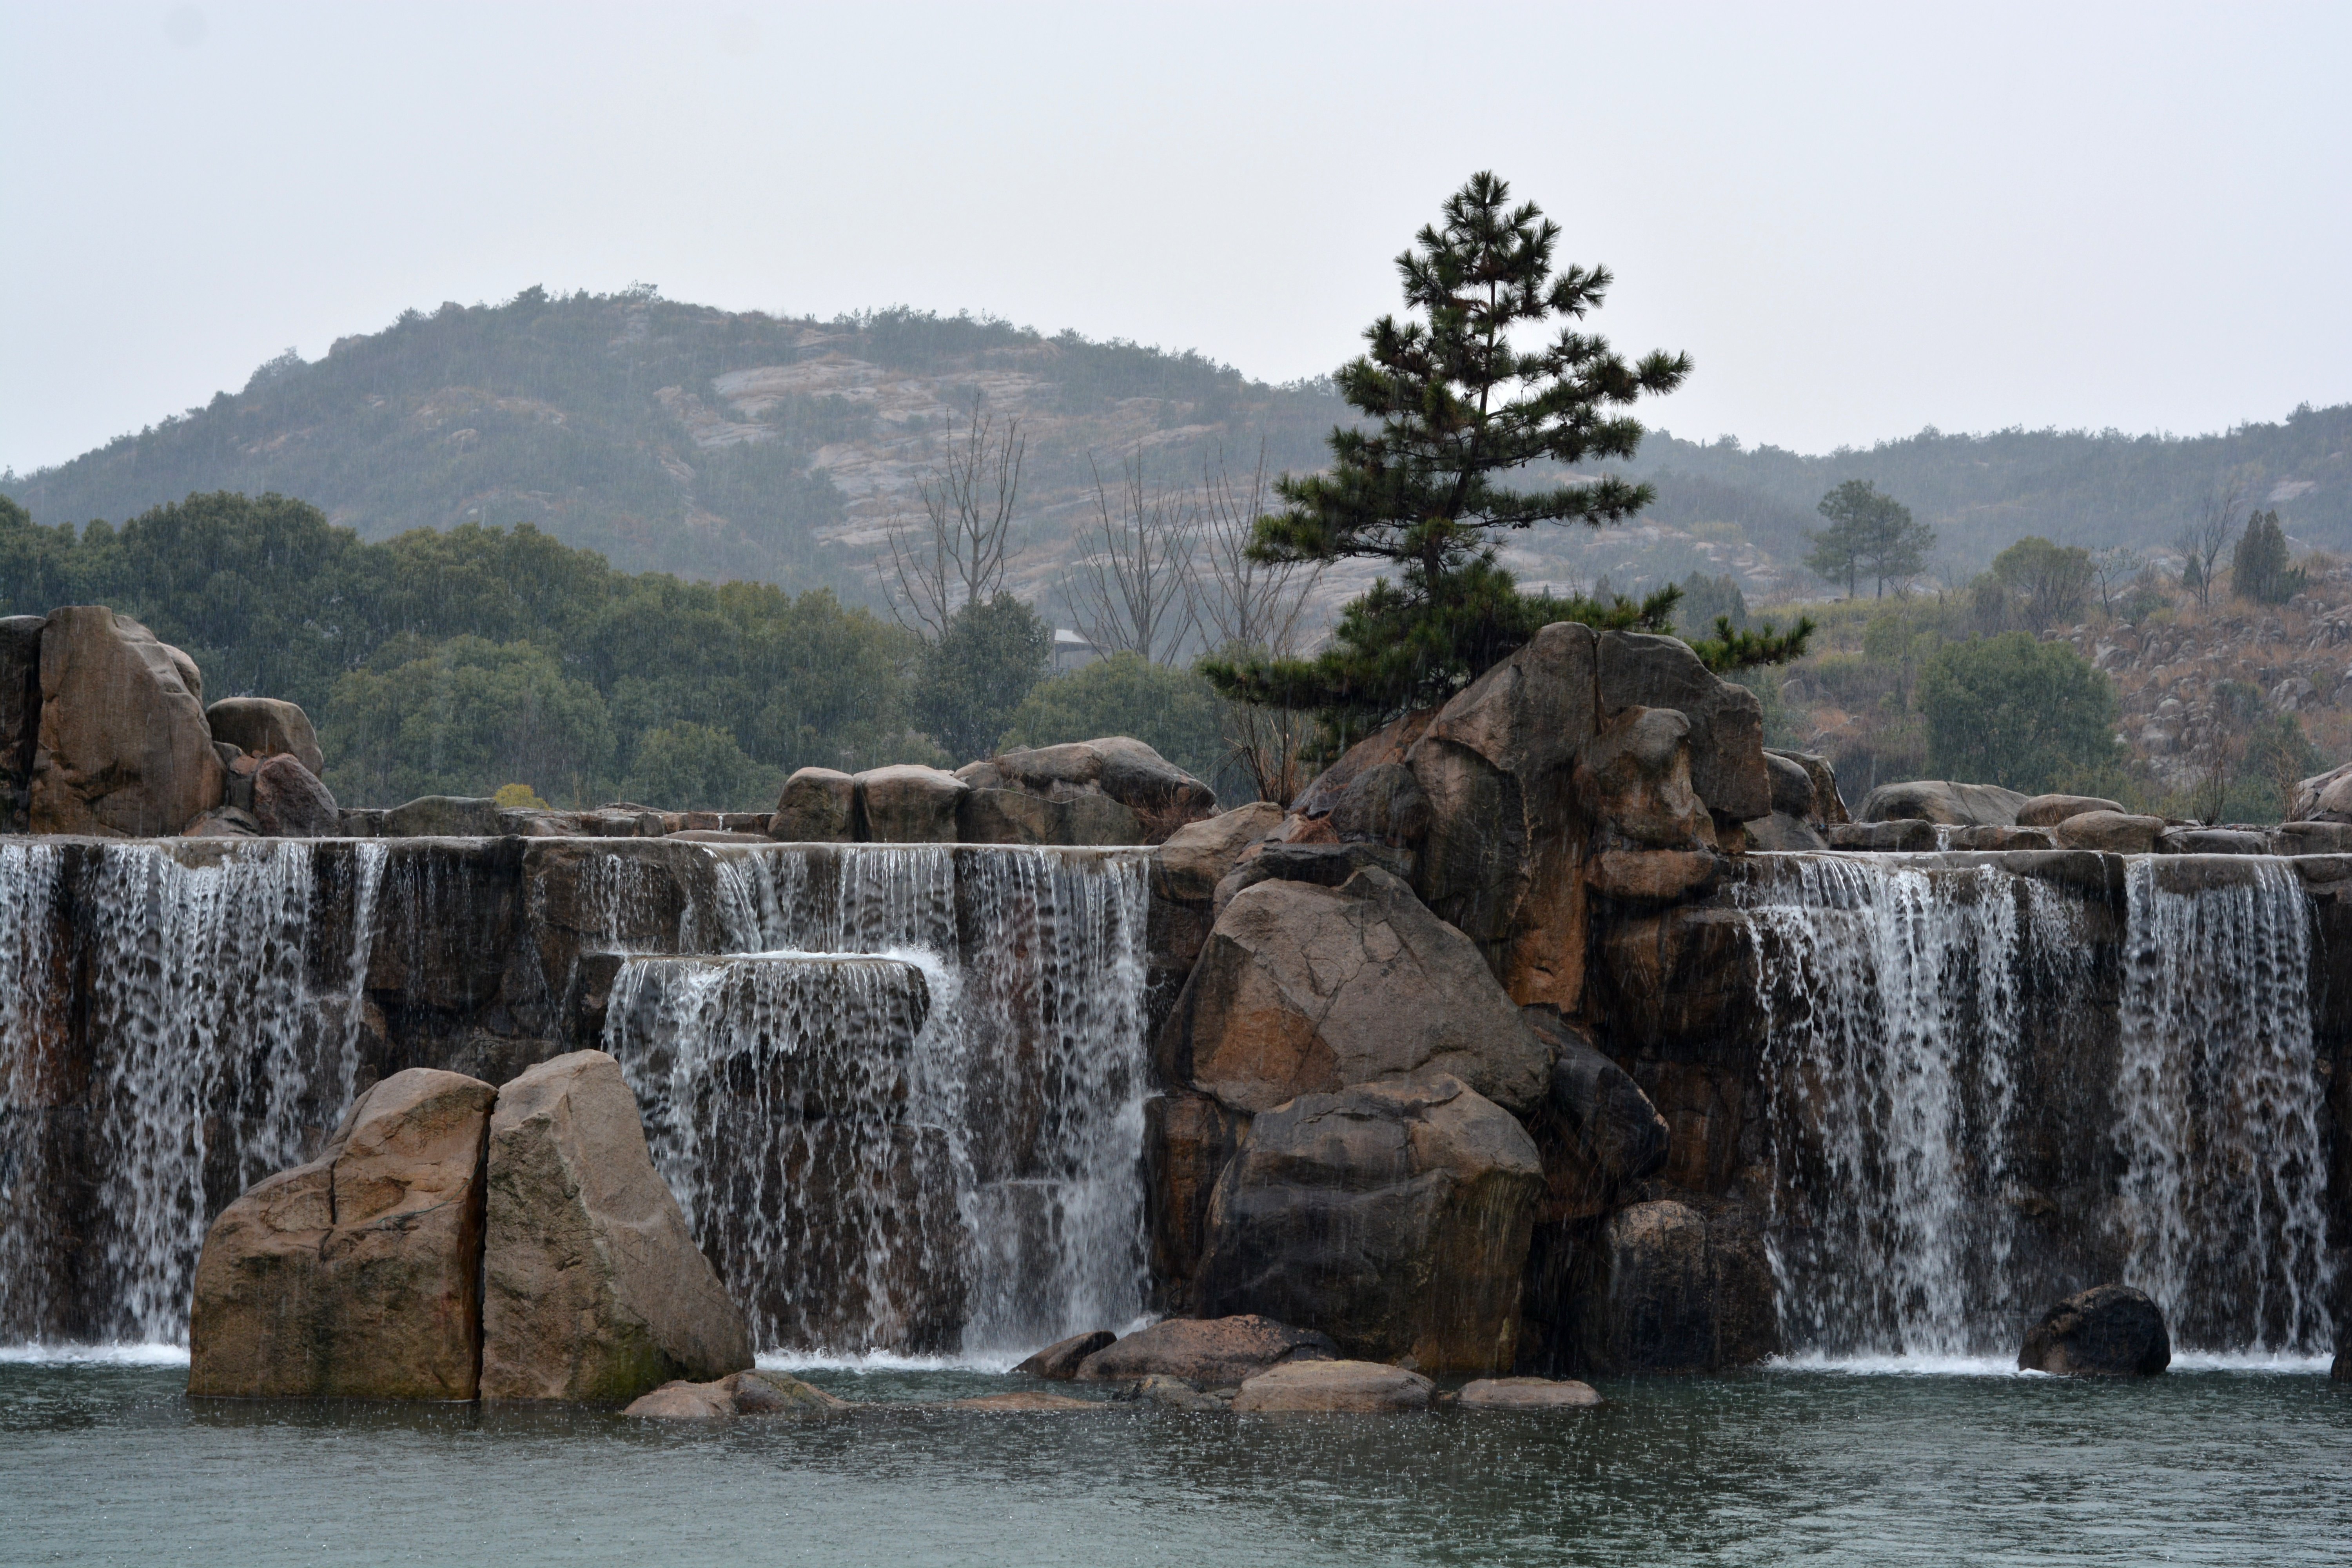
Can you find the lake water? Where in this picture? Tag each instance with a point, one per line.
(102, 1460)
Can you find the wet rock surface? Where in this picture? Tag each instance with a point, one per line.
(267, 727)
(1942, 801)
(758, 1393)
(1059, 1361)
(1210, 1353)
(1336, 1388)
(2107, 1331)
(1527, 1393)
(123, 749)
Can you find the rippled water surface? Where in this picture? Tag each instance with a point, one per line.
(102, 1460)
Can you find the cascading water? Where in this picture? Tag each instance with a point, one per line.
(2224, 1192)
(1957, 1135)
(995, 1149)
(214, 1052)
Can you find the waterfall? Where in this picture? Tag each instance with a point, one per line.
(215, 1055)
(1979, 1098)
(1001, 1138)
(2222, 1201)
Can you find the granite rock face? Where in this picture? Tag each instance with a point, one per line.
(123, 749)
(1945, 802)
(816, 805)
(1215, 1353)
(593, 1288)
(357, 1275)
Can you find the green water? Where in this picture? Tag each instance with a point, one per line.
(109, 1464)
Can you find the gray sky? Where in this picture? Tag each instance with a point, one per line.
(1859, 221)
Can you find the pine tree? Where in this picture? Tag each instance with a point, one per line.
(1868, 531)
(2259, 568)
(1454, 407)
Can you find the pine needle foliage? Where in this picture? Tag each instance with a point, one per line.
(1456, 411)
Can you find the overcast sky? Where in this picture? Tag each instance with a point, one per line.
(1857, 221)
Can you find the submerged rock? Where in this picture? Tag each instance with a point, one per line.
(594, 1288)
(2107, 1331)
(1527, 1393)
(1212, 1352)
(737, 1393)
(1343, 1387)
(1059, 1362)
(1175, 1393)
(357, 1275)
(1025, 1400)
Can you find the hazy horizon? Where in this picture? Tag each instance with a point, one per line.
(1858, 224)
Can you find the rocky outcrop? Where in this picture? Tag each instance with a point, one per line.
(357, 1275)
(1392, 1216)
(123, 748)
(1215, 1353)
(1084, 777)
(816, 805)
(737, 1393)
(267, 727)
(2114, 832)
(1527, 1393)
(908, 805)
(1303, 989)
(1335, 1387)
(290, 802)
(2050, 810)
(1943, 802)
(1650, 1293)
(1059, 1361)
(593, 1288)
(2108, 1330)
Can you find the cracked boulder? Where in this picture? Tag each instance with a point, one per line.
(123, 748)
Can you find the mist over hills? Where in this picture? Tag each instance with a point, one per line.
(722, 445)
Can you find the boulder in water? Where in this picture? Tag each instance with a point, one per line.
(1214, 1352)
(267, 727)
(2050, 810)
(2107, 1331)
(737, 1393)
(1024, 1401)
(905, 804)
(1175, 1393)
(124, 749)
(1527, 1393)
(1304, 989)
(290, 802)
(1340, 1387)
(356, 1276)
(2114, 832)
(593, 1288)
(1648, 1301)
(817, 805)
(1059, 1362)
(1943, 802)
(1394, 1217)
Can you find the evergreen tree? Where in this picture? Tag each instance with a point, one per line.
(1869, 532)
(2023, 714)
(1457, 410)
(2258, 566)
(990, 656)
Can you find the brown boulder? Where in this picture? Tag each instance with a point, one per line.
(1727, 721)
(1014, 816)
(1648, 1293)
(1303, 989)
(2001, 838)
(1393, 1216)
(1382, 805)
(1651, 876)
(593, 1287)
(816, 805)
(1943, 802)
(1194, 858)
(1340, 1387)
(123, 749)
(1527, 1393)
(1784, 832)
(1215, 1353)
(1058, 1363)
(1634, 778)
(355, 1276)
(1115, 769)
(1828, 806)
(905, 804)
(737, 1393)
(2325, 797)
(2050, 810)
(267, 727)
(2115, 832)
(289, 801)
(1903, 836)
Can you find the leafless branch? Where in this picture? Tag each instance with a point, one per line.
(1255, 608)
(1132, 589)
(957, 555)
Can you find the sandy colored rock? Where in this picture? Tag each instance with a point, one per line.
(1028, 1399)
(593, 1288)
(290, 802)
(1303, 989)
(1527, 1393)
(1058, 1363)
(2107, 1331)
(1393, 1216)
(267, 727)
(1209, 1353)
(123, 749)
(816, 805)
(2050, 810)
(1197, 856)
(355, 1276)
(2114, 832)
(737, 1393)
(1943, 802)
(1340, 1387)
(905, 804)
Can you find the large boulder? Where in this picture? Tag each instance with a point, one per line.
(1529, 1393)
(267, 727)
(2050, 810)
(1059, 1361)
(1821, 806)
(1304, 989)
(1636, 777)
(1614, 1125)
(123, 748)
(1119, 768)
(1648, 1295)
(1945, 802)
(357, 1275)
(443, 817)
(290, 802)
(2115, 832)
(1015, 816)
(1340, 1387)
(593, 1288)
(816, 805)
(2108, 1330)
(2325, 797)
(1215, 1353)
(1903, 836)
(1727, 721)
(905, 804)
(737, 1393)
(1393, 1216)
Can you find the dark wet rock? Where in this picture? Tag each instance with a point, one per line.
(1209, 1353)
(1651, 876)
(1649, 1295)
(2111, 832)
(2050, 810)
(1188, 1138)
(816, 805)
(1613, 1122)
(224, 821)
(1944, 802)
(1059, 1361)
(1634, 777)
(1827, 807)
(442, 816)
(1909, 836)
(2212, 841)
(1393, 1216)
(1783, 833)
(290, 802)
(737, 1393)
(905, 804)
(1391, 744)
(1326, 865)
(1382, 805)
(20, 713)
(1340, 1387)
(2001, 838)
(1527, 1393)
(2314, 837)
(1792, 786)
(122, 750)
(2107, 1331)
(1727, 721)
(1014, 816)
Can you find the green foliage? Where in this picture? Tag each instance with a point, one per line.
(1174, 712)
(1870, 535)
(979, 672)
(2259, 569)
(2035, 584)
(271, 600)
(2024, 714)
(1705, 599)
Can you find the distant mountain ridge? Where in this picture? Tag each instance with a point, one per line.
(722, 445)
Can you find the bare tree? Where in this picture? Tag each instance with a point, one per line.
(1255, 607)
(958, 554)
(2116, 565)
(1132, 590)
(2206, 538)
